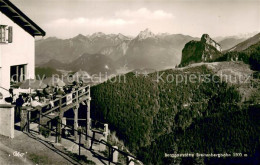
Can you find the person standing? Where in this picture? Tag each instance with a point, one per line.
(19, 103)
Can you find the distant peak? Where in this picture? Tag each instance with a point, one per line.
(146, 30)
(122, 37)
(97, 34)
(145, 34)
(80, 36)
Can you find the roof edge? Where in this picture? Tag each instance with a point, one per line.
(40, 32)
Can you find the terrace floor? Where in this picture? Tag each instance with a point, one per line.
(31, 148)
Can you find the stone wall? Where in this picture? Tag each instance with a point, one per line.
(23, 122)
(7, 120)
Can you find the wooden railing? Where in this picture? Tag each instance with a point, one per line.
(61, 105)
(61, 102)
(111, 149)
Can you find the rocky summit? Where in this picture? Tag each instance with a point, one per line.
(206, 39)
(205, 50)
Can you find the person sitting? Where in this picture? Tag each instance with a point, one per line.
(47, 90)
(35, 102)
(66, 89)
(81, 83)
(60, 91)
(51, 103)
(27, 101)
(40, 94)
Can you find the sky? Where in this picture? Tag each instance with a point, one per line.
(68, 18)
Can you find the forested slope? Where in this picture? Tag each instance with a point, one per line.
(158, 117)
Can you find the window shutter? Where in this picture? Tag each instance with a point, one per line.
(10, 34)
(1, 33)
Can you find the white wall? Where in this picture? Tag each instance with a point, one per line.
(20, 51)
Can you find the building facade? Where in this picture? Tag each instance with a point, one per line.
(17, 46)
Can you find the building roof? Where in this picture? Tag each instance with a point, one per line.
(15, 14)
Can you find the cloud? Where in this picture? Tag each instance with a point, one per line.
(144, 13)
(66, 28)
(132, 20)
(120, 18)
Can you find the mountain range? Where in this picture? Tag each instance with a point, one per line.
(69, 49)
(245, 44)
(117, 51)
(146, 50)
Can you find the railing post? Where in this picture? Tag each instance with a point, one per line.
(60, 103)
(109, 155)
(75, 110)
(49, 126)
(56, 133)
(92, 141)
(129, 160)
(59, 130)
(114, 154)
(28, 120)
(58, 127)
(88, 121)
(40, 116)
(77, 96)
(75, 122)
(79, 141)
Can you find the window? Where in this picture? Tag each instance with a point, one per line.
(18, 73)
(2, 33)
(6, 34)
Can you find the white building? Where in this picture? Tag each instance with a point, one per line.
(17, 45)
